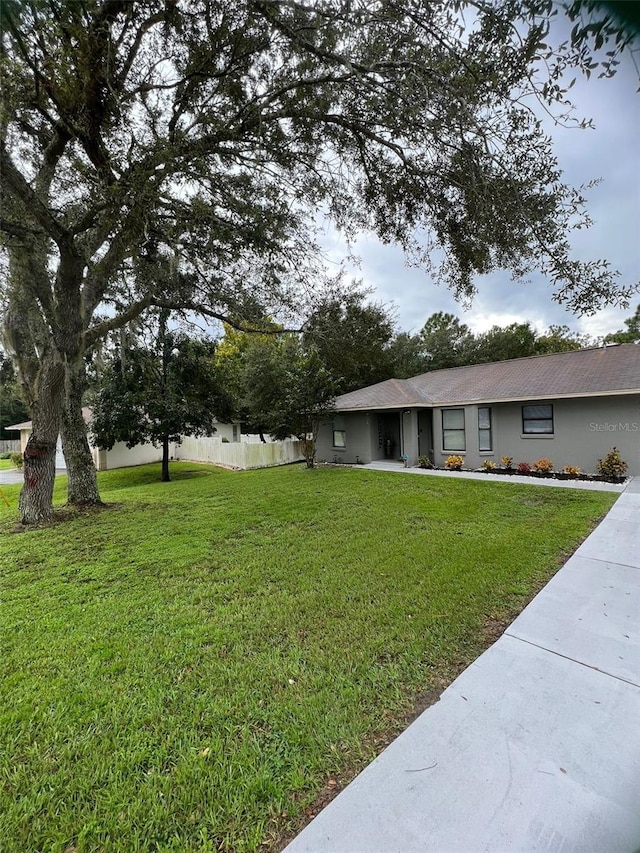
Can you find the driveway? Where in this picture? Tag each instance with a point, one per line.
(11, 476)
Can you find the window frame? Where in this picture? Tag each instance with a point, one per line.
(343, 432)
(528, 420)
(447, 431)
(485, 430)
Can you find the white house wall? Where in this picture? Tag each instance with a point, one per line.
(121, 456)
(231, 432)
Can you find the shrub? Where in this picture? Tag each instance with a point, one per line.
(454, 463)
(524, 468)
(17, 460)
(425, 462)
(612, 465)
(489, 465)
(543, 466)
(5, 455)
(507, 462)
(571, 470)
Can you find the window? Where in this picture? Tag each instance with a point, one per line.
(537, 420)
(339, 438)
(339, 432)
(453, 429)
(484, 429)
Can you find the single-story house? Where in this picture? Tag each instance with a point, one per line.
(570, 407)
(121, 456)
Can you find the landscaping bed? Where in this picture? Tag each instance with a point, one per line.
(551, 475)
(611, 469)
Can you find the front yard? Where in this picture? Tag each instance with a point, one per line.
(198, 665)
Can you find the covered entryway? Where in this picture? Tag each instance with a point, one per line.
(389, 444)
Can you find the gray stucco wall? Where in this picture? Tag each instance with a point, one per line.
(359, 427)
(585, 429)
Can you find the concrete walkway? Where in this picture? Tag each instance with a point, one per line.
(536, 746)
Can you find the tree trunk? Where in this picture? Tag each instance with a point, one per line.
(36, 498)
(309, 450)
(82, 482)
(165, 459)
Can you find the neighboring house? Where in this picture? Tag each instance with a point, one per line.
(121, 456)
(569, 407)
(25, 431)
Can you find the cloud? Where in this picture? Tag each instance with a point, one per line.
(609, 153)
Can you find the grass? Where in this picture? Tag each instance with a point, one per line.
(6, 463)
(193, 667)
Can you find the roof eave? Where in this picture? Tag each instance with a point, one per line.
(437, 404)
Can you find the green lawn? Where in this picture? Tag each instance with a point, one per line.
(6, 463)
(193, 667)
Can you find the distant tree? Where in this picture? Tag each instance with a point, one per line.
(159, 394)
(632, 333)
(288, 390)
(561, 339)
(501, 343)
(407, 356)
(351, 339)
(12, 407)
(233, 353)
(446, 342)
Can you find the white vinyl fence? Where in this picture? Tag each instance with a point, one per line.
(9, 445)
(239, 454)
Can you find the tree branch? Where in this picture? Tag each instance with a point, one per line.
(97, 332)
(21, 190)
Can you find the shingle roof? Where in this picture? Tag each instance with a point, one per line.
(23, 425)
(597, 371)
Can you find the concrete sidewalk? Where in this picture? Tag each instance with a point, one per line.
(536, 746)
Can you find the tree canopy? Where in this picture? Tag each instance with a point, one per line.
(177, 154)
(445, 341)
(287, 389)
(157, 394)
(631, 334)
(351, 338)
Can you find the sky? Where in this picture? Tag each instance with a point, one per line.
(611, 153)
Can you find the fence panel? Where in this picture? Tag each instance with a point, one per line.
(10, 445)
(239, 454)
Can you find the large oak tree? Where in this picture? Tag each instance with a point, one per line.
(178, 153)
